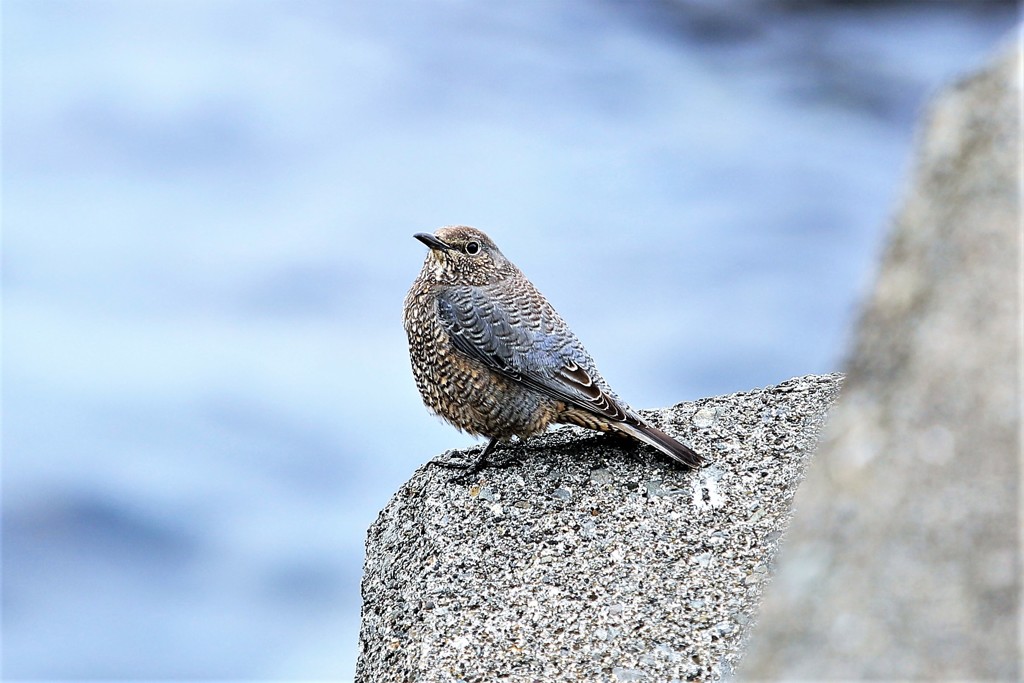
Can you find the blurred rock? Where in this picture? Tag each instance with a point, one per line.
(595, 560)
(903, 559)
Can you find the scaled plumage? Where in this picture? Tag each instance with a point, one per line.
(492, 357)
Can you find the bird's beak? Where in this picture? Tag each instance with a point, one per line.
(431, 241)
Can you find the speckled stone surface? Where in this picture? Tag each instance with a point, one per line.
(596, 560)
(903, 561)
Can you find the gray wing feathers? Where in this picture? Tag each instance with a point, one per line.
(529, 345)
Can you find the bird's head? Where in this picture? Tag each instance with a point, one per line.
(461, 255)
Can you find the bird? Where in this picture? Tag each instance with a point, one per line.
(492, 357)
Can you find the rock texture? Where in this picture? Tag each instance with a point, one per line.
(595, 560)
(903, 560)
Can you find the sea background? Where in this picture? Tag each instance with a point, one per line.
(208, 211)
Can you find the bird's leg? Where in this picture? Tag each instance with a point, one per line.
(480, 462)
(474, 465)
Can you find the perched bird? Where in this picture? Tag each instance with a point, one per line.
(492, 357)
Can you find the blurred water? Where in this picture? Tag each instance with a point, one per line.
(208, 210)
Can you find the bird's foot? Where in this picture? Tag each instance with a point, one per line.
(471, 467)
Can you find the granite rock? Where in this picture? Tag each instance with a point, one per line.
(903, 560)
(595, 560)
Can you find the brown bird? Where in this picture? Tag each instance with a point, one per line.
(492, 357)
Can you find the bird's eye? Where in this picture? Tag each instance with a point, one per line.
(472, 248)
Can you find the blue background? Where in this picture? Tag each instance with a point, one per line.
(208, 209)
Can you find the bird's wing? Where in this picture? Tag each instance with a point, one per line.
(528, 345)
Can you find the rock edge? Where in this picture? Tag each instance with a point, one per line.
(595, 560)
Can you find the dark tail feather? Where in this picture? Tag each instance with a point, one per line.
(653, 436)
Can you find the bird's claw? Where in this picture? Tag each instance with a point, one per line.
(471, 467)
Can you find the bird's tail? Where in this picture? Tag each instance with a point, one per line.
(653, 436)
